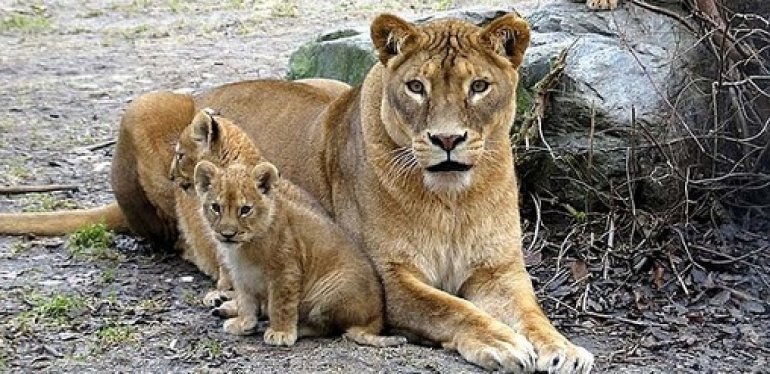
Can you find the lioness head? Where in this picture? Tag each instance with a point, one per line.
(449, 91)
(238, 201)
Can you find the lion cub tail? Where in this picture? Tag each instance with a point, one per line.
(363, 336)
(64, 222)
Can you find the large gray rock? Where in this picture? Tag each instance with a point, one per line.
(616, 61)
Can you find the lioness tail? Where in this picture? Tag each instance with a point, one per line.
(63, 222)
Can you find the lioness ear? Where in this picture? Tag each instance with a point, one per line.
(206, 129)
(389, 35)
(204, 173)
(508, 36)
(266, 175)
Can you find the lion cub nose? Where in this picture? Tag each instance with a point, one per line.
(227, 234)
(447, 142)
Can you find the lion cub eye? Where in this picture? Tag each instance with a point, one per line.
(416, 87)
(216, 208)
(479, 86)
(246, 209)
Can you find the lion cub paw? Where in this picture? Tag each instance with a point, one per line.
(241, 326)
(287, 338)
(602, 4)
(496, 348)
(215, 298)
(564, 359)
(229, 309)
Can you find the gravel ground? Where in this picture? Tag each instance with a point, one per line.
(68, 68)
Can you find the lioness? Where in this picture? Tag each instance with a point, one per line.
(417, 165)
(145, 148)
(285, 251)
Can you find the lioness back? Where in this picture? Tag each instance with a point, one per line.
(145, 148)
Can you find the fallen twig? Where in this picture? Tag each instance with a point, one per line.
(624, 319)
(15, 190)
(101, 145)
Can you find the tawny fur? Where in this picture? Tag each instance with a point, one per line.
(447, 245)
(221, 142)
(215, 139)
(315, 280)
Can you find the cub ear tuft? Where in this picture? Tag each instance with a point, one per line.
(204, 174)
(507, 36)
(390, 34)
(206, 129)
(266, 175)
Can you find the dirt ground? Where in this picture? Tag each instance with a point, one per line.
(67, 70)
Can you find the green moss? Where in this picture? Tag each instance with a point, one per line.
(25, 23)
(116, 334)
(333, 60)
(94, 242)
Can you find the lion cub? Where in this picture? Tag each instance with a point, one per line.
(315, 279)
(222, 142)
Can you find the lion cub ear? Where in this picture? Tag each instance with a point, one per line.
(266, 175)
(204, 174)
(390, 34)
(206, 129)
(507, 36)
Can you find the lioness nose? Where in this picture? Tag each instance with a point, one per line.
(227, 234)
(447, 142)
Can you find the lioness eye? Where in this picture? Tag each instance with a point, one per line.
(416, 87)
(245, 210)
(479, 86)
(215, 208)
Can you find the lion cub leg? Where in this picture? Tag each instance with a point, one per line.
(246, 321)
(223, 292)
(228, 309)
(283, 306)
(506, 293)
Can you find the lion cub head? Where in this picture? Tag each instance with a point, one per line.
(448, 94)
(238, 201)
(213, 138)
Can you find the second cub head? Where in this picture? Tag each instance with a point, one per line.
(196, 139)
(238, 201)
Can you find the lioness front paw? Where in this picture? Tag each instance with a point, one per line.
(602, 4)
(241, 326)
(287, 338)
(565, 358)
(496, 348)
(215, 298)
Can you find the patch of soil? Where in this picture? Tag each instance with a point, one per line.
(68, 69)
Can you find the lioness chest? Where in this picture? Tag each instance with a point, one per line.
(447, 244)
